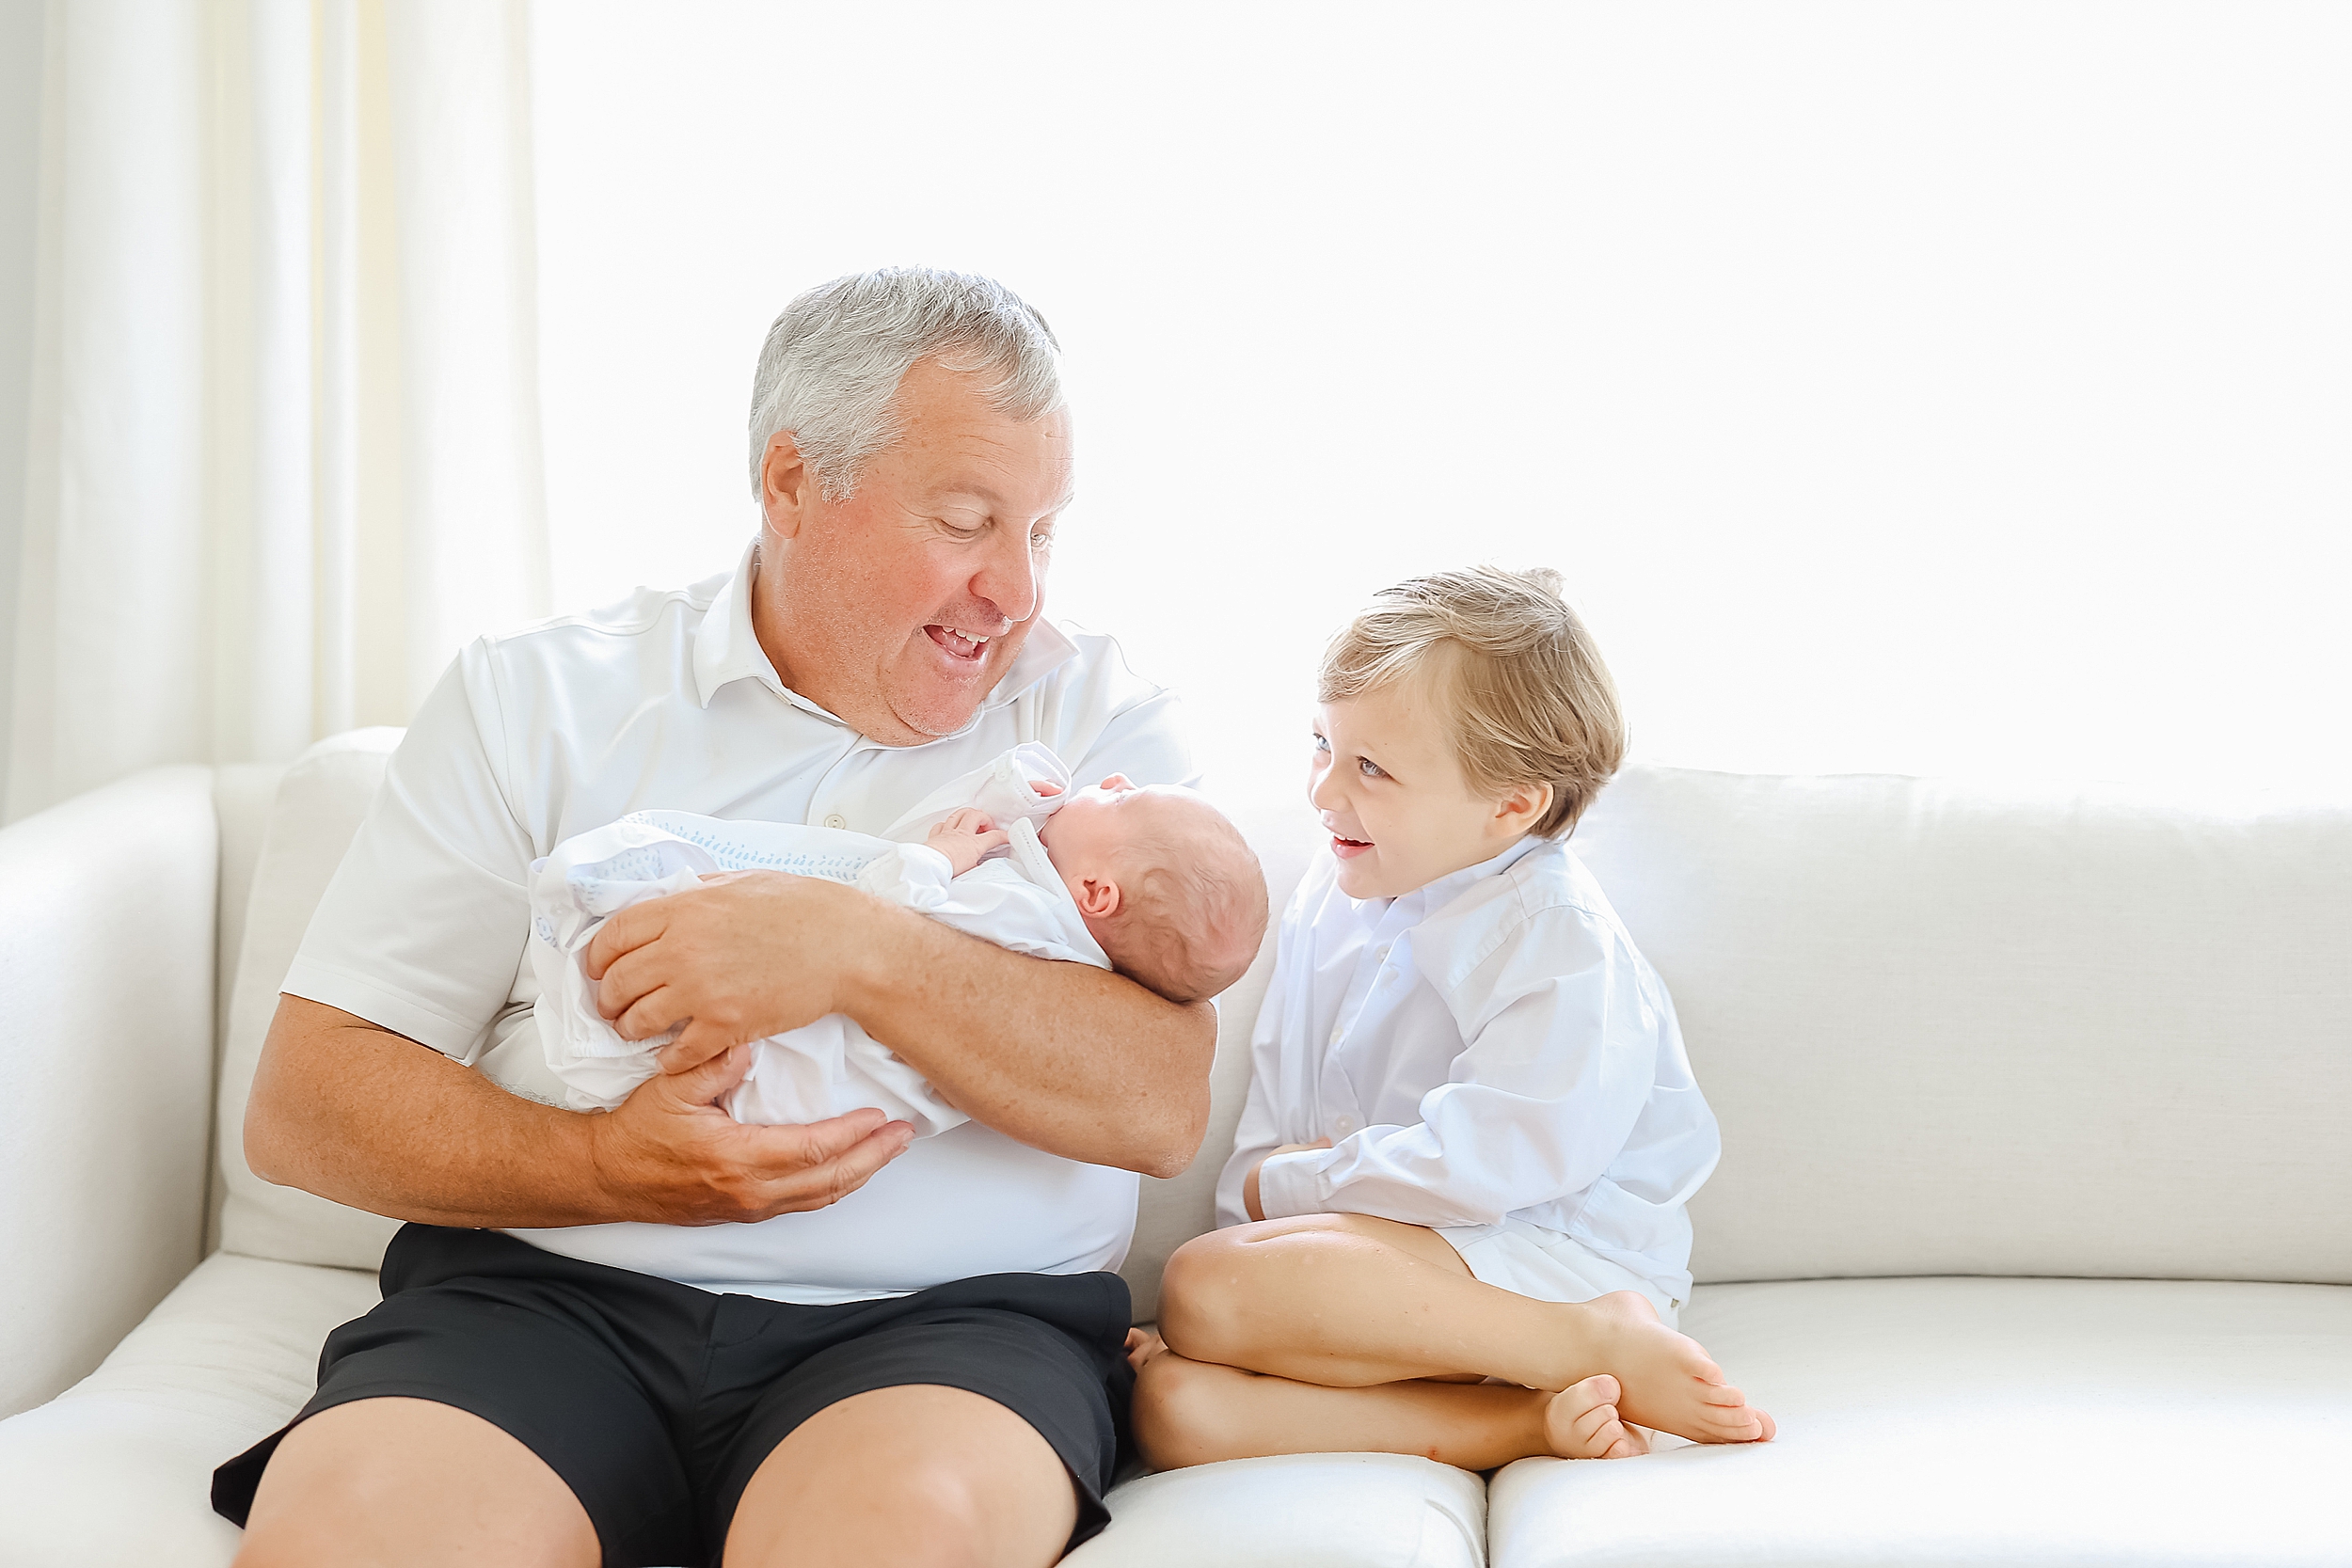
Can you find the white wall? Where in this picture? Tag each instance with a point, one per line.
(1936, 388)
(21, 31)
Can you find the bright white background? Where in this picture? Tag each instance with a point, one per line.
(1925, 388)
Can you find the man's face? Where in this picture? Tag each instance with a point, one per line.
(900, 607)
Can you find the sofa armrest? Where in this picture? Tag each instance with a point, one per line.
(107, 934)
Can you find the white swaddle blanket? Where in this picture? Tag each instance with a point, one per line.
(830, 1066)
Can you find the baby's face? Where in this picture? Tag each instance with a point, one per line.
(1094, 825)
(1185, 939)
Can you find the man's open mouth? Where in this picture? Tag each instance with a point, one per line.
(958, 644)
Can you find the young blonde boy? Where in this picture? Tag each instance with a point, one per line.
(1455, 1221)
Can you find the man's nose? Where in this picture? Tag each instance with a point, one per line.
(1008, 576)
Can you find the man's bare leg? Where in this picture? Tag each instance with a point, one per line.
(1348, 1301)
(919, 1475)
(405, 1481)
(1197, 1412)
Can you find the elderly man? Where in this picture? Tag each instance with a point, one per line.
(655, 1335)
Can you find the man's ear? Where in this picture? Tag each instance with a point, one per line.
(1098, 897)
(787, 485)
(1521, 810)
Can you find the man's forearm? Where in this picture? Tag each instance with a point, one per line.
(375, 1120)
(460, 1150)
(1067, 1059)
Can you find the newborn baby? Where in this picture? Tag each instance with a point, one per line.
(1153, 882)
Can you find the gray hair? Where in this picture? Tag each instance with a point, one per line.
(831, 368)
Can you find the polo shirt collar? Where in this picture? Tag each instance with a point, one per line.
(728, 649)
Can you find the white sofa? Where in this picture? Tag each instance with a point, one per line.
(2032, 1229)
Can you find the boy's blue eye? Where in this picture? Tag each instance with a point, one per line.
(1321, 744)
(1369, 768)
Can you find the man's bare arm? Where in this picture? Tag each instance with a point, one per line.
(373, 1119)
(1066, 1058)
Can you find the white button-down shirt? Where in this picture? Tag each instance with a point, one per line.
(1490, 1045)
(667, 700)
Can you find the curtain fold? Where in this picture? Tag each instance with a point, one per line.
(284, 448)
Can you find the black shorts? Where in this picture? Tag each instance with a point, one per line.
(655, 1401)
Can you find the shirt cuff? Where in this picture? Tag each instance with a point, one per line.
(1291, 1183)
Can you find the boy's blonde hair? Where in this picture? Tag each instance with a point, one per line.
(1519, 678)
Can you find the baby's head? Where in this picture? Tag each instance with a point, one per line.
(1167, 884)
(1456, 716)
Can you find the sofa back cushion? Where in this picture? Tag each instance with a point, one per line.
(319, 801)
(1945, 1030)
(1949, 1030)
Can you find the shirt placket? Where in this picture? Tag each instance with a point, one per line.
(1370, 997)
(833, 790)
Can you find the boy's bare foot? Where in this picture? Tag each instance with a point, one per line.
(1666, 1380)
(1582, 1422)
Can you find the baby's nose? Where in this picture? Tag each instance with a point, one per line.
(1118, 782)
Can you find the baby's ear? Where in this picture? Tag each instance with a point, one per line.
(1098, 897)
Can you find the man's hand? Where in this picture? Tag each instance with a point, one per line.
(1249, 1184)
(746, 955)
(355, 1112)
(966, 837)
(671, 1143)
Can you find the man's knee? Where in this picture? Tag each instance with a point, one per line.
(920, 1474)
(400, 1481)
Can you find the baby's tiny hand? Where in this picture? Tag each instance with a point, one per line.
(1045, 786)
(966, 837)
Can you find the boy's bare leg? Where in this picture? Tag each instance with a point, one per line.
(1348, 1301)
(1197, 1412)
(401, 1481)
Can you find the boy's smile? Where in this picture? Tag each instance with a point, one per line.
(1386, 780)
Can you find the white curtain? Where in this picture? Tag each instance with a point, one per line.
(284, 453)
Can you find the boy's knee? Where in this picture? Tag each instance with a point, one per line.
(1197, 1293)
(1180, 1418)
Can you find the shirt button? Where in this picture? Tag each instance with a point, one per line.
(837, 820)
(1335, 1034)
(1345, 1125)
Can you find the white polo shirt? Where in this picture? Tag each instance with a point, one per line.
(666, 700)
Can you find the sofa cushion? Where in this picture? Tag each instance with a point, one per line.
(319, 801)
(2012, 1421)
(1301, 1511)
(1950, 1030)
(116, 1471)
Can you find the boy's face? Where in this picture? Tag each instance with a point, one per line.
(1385, 778)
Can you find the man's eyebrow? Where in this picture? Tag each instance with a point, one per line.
(993, 502)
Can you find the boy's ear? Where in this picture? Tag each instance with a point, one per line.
(1519, 811)
(1098, 897)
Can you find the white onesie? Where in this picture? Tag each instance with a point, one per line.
(830, 1066)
